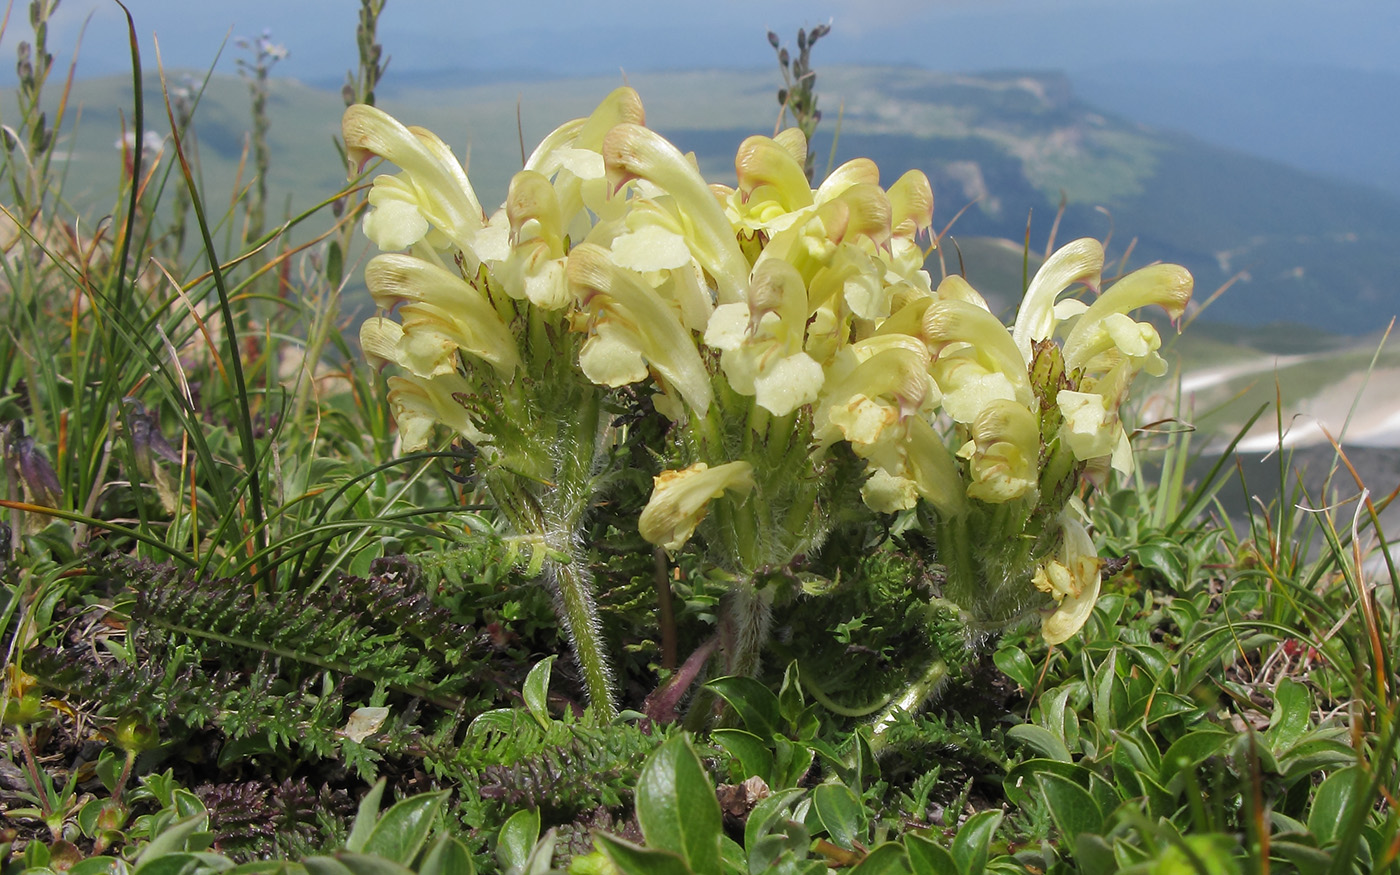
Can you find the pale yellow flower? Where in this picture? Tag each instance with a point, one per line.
(681, 499)
(633, 332)
(1072, 577)
(431, 194)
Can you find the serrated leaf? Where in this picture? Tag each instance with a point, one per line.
(927, 857)
(632, 859)
(973, 842)
(885, 859)
(752, 754)
(1040, 740)
(400, 833)
(517, 838)
(840, 813)
(677, 808)
(536, 691)
(755, 704)
(1072, 807)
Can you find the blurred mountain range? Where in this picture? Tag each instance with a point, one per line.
(1012, 148)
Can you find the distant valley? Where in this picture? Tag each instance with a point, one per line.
(1301, 248)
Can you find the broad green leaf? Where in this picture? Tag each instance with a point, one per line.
(184, 862)
(371, 864)
(1093, 854)
(676, 806)
(1019, 782)
(1072, 807)
(1334, 803)
(1307, 757)
(403, 829)
(536, 691)
(173, 838)
(1306, 859)
(1040, 740)
(96, 866)
(1105, 677)
(1161, 802)
(633, 859)
(517, 839)
(885, 859)
(447, 856)
(1164, 557)
(927, 857)
(973, 842)
(365, 818)
(840, 812)
(753, 756)
(1166, 705)
(1187, 752)
(754, 702)
(321, 865)
(1015, 664)
(541, 858)
(768, 813)
(791, 762)
(1104, 793)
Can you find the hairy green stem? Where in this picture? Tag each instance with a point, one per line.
(745, 615)
(573, 590)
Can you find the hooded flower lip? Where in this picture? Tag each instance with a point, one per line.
(976, 360)
(1080, 261)
(418, 404)
(681, 499)
(438, 303)
(432, 191)
(632, 329)
(761, 341)
(1097, 330)
(867, 406)
(1072, 576)
(1003, 453)
(768, 171)
(634, 152)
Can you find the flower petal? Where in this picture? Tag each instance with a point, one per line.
(680, 500)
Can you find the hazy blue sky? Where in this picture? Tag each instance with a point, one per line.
(604, 35)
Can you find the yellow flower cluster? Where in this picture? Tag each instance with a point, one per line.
(814, 303)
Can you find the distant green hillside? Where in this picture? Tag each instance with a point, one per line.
(1309, 251)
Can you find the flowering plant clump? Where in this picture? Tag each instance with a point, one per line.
(799, 352)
